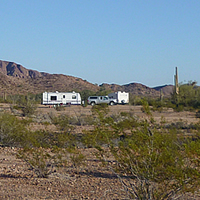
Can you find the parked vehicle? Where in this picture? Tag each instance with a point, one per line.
(61, 98)
(92, 100)
(120, 97)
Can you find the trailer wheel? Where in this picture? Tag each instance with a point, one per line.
(92, 103)
(123, 102)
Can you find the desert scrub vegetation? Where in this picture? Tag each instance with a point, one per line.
(150, 161)
(12, 130)
(187, 99)
(65, 121)
(44, 151)
(26, 104)
(13, 99)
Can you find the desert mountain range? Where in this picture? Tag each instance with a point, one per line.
(16, 79)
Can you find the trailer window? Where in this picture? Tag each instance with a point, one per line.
(63, 96)
(73, 97)
(53, 98)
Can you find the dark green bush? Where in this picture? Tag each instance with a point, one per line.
(13, 131)
(28, 105)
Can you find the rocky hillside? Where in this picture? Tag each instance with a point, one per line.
(16, 79)
(166, 89)
(140, 89)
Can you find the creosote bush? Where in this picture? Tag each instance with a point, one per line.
(42, 162)
(151, 162)
(42, 150)
(145, 108)
(12, 130)
(27, 104)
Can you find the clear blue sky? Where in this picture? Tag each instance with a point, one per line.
(104, 41)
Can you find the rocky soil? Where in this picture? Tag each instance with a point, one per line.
(89, 181)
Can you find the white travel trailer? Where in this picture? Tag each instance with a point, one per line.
(61, 98)
(121, 97)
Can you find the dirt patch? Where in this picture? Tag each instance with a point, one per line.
(168, 114)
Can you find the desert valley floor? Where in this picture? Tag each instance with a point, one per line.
(89, 181)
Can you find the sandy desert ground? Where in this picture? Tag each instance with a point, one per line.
(90, 181)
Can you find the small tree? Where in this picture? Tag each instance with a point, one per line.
(28, 105)
(85, 94)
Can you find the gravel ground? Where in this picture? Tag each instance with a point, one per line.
(91, 181)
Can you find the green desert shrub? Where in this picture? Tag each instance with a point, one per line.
(62, 122)
(27, 104)
(44, 152)
(145, 108)
(13, 131)
(156, 165)
(81, 120)
(150, 163)
(41, 161)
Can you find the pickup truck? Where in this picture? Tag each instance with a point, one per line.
(92, 100)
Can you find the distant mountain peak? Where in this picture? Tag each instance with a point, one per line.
(16, 70)
(16, 79)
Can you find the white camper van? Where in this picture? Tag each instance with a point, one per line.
(121, 97)
(61, 98)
